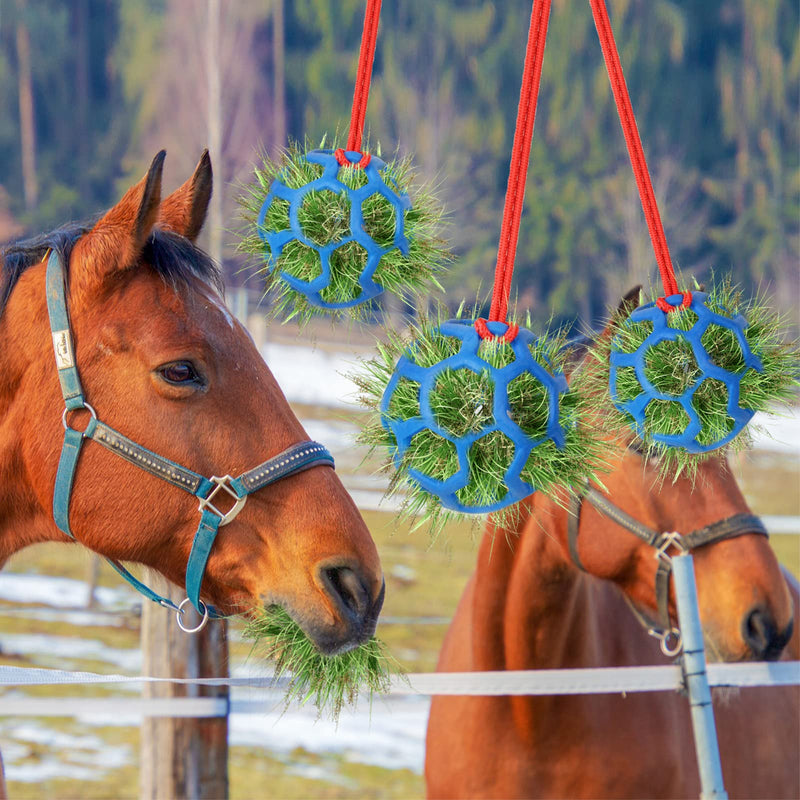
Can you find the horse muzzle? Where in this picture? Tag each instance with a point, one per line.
(355, 605)
(762, 636)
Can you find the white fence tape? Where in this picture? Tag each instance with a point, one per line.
(613, 680)
(105, 707)
(781, 524)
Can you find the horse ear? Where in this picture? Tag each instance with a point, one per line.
(623, 310)
(184, 211)
(628, 303)
(118, 237)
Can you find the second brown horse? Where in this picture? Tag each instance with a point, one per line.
(529, 607)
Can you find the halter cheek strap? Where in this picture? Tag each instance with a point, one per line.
(209, 491)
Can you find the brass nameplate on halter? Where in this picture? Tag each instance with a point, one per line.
(62, 344)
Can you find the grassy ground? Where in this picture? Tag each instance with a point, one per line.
(422, 581)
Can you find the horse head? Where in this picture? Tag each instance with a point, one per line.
(164, 363)
(745, 604)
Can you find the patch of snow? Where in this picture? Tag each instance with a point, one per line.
(338, 436)
(311, 376)
(778, 432)
(50, 768)
(75, 617)
(60, 651)
(391, 734)
(86, 757)
(59, 592)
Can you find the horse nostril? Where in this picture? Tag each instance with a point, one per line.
(348, 588)
(762, 636)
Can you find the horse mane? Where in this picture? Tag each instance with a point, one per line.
(173, 257)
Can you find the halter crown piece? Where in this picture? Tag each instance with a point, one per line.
(687, 371)
(336, 227)
(210, 492)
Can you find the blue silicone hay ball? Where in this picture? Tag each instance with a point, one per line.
(672, 365)
(490, 419)
(277, 240)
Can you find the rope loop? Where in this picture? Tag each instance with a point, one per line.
(483, 331)
(341, 156)
(664, 304)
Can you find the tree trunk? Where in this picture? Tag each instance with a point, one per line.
(81, 11)
(279, 75)
(27, 124)
(215, 131)
(182, 759)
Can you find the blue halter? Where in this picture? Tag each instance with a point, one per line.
(296, 458)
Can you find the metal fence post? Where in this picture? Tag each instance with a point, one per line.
(696, 678)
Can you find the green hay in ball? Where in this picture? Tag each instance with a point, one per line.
(671, 367)
(461, 401)
(328, 681)
(325, 217)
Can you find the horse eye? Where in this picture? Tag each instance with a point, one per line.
(179, 372)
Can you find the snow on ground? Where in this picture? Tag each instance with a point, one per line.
(391, 734)
(312, 375)
(29, 588)
(81, 758)
(778, 432)
(62, 652)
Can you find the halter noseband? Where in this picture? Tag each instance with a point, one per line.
(668, 635)
(296, 458)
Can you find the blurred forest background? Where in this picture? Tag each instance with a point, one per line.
(91, 89)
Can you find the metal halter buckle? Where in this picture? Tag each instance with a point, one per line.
(222, 485)
(203, 621)
(667, 540)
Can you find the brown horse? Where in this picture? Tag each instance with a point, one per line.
(528, 606)
(164, 363)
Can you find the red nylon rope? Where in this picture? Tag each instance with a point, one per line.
(366, 56)
(634, 143)
(518, 171)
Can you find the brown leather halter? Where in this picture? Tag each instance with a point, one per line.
(663, 630)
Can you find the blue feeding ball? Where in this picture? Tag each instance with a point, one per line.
(323, 233)
(474, 418)
(678, 375)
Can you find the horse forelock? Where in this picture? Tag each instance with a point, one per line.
(174, 258)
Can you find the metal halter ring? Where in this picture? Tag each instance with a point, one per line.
(85, 406)
(222, 485)
(664, 638)
(203, 621)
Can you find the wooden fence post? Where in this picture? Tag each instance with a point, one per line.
(182, 759)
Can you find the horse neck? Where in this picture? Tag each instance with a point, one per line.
(527, 594)
(533, 609)
(24, 389)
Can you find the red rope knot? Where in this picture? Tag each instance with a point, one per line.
(483, 331)
(666, 306)
(341, 157)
